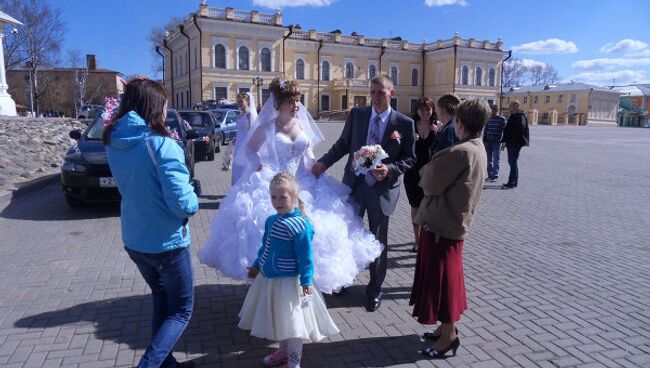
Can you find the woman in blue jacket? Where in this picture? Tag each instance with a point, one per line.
(157, 201)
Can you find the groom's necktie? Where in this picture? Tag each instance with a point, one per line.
(373, 139)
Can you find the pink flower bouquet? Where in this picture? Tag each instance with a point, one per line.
(367, 158)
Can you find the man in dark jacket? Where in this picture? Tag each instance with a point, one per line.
(515, 136)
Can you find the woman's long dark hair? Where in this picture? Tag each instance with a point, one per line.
(425, 102)
(147, 98)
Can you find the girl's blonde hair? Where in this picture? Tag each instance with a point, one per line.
(288, 180)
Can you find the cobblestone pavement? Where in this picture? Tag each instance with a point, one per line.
(556, 273)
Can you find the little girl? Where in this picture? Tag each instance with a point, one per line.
(281, 304)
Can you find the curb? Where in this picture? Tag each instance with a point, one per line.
(30, 186)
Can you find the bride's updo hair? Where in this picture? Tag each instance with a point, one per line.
(284, 90)
(243, 96)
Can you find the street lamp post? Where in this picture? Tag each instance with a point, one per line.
(259, 82)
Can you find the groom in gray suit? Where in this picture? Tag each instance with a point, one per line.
(378, 191)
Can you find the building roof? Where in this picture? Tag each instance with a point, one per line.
(6, 18)
(60, 69)
(560, 87)
(636, 90)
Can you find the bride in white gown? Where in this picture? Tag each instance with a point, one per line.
(283, 139)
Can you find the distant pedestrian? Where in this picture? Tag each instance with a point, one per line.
(157, 201)
(515, 136)
(446, 110)
(452, 184)
(492, 140)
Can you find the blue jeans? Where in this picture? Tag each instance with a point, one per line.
(493, 157)
(513, 156)
(170, 277)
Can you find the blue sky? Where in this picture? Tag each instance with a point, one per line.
(586, 40)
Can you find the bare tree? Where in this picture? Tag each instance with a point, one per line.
(542, 75)
(79, 78)
(513, 73)
(155, 38)
(37, 43)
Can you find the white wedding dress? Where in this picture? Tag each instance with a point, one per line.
(342, 247)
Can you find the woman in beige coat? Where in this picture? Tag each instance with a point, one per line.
(452, 184)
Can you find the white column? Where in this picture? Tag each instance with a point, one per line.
(7, 105)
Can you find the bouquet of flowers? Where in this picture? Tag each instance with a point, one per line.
(367, 158)
(110, 104)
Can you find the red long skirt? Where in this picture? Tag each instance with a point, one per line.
(438, 292)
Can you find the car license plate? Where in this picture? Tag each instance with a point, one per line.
(107, 182)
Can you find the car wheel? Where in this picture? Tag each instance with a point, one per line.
(217, 149)
(73, 202)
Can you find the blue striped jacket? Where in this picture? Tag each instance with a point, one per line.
(286, 249)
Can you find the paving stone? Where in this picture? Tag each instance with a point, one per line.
(556, 274)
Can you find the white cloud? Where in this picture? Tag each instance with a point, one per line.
(291, 3)
(550, 46)
(607, 78)
(529, 63)
(626, 47)
(446, 2)
(611, 63)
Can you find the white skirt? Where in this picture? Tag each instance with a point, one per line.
(276, 309)
(342, 246)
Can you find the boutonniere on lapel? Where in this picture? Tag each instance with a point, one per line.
(396, 136)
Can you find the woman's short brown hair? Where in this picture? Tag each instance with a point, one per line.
(284, 90)
(449, 102)
(422, 103)
(473, 114)
(147, 98)
(243, 96)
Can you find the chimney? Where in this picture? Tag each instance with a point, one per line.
(91, 63)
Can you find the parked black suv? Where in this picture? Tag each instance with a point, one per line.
(85, 174)
(204, 124)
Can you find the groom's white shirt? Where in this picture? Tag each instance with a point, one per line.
(384, 121)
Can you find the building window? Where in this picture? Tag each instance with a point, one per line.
(243, 58)
(547, 99)
(325, 71)
(535, 100)
(526, 99)
(464, 75)
(393, 103)
(220, 57)
(372, 71)
(266, 93)
(492, 77)
(265, 55)
(302, 99)
(479, 76)
(490, 103)
(344, 102)
(414, 77)
(414, 105)
(393, 74)
(300, 69)
(244, 90)
(560, 98)
(349, 70)
(220, 93)
(187, 98)
(325, 103)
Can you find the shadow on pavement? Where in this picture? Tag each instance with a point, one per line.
(48, 204)
(213, 331)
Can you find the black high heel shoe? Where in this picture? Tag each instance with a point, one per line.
(432, 337)
(431, 353)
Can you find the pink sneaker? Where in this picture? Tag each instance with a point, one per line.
(275, 359)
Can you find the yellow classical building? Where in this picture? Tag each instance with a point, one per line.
(215, 53)
(568, 104)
